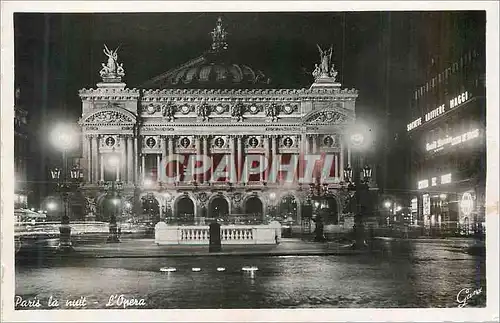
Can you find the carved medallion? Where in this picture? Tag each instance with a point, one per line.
(110, 141)
(151, 142)
(253, 142)
(288, 142)
(253, 109)
(185, 109)
(219, 109)
(185, 142)
(219, 142)
(328, 141)
(288, 109)
(151, 109)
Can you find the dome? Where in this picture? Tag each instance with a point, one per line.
(214, 69)
(214, 74)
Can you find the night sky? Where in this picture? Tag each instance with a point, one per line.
(384, 55)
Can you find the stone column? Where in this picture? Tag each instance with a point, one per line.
(118, 166)
(266, 158)
(171, 151)
(308, 144)
(136, 159)
(239, 147)
(143, 167)
(336, 163)
(199, 152)
(233, 155)
(315, 144)
(123, 158)
(95, 159)
(130, 160)
(349, 155)
(88, 149)
(163, 157)
(205, 152)
(158, 165)
(102, 167)
(342, 161)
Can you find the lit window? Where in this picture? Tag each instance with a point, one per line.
(434, 181)
(445, 179)
(423, 184)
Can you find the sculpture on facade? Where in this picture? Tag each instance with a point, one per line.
(112, 69)
(203, 111)
(272, 112)
(90, 206)
(168, 110)
(325, 69)
(237, 111)
(219, 36)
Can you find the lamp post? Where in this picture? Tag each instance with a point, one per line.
(317, 192)
(113, 189)
(65, 187)
(63, 138)
(356, 190)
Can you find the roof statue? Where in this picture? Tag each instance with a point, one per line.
(324, 73)
(112, 71)
(219, 35)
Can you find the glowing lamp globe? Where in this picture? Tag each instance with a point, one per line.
(63, 137)
(357, 139)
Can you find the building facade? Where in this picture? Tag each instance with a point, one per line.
(213, 106)
(448, 147)
(21, 155)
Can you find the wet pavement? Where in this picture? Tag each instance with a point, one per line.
(394, 273)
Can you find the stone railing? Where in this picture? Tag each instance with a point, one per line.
(230, 234)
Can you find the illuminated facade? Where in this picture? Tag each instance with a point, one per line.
(214, 107)
(448, 147)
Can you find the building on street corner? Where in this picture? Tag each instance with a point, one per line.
(447, 135)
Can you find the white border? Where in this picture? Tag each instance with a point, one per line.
(490, 313)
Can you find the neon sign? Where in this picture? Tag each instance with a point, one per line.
(448, 140)
(452, 104)
(445, 179)
(426, 199)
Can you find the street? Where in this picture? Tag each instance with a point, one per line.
(398, 273)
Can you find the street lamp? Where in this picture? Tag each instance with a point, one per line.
(113, 190)
(356, 190)
(318, 191)
(65, 187)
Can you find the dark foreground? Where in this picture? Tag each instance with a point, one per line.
(395, 273)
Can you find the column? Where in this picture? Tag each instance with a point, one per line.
(239, 147)
(136, 159)
(95, 159)
(349, 155)
(158, 166)
(315, 144)
(130, 161)
(89, 157)
(232, 156)
(118, 166)
(342, 161)
(336, 163)
(163, 157)
(205, 152)
(123, 158)
(102, 167)
(266, 157)
(199, 152)
(308, 144)
(171, 152)
(143, 167)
